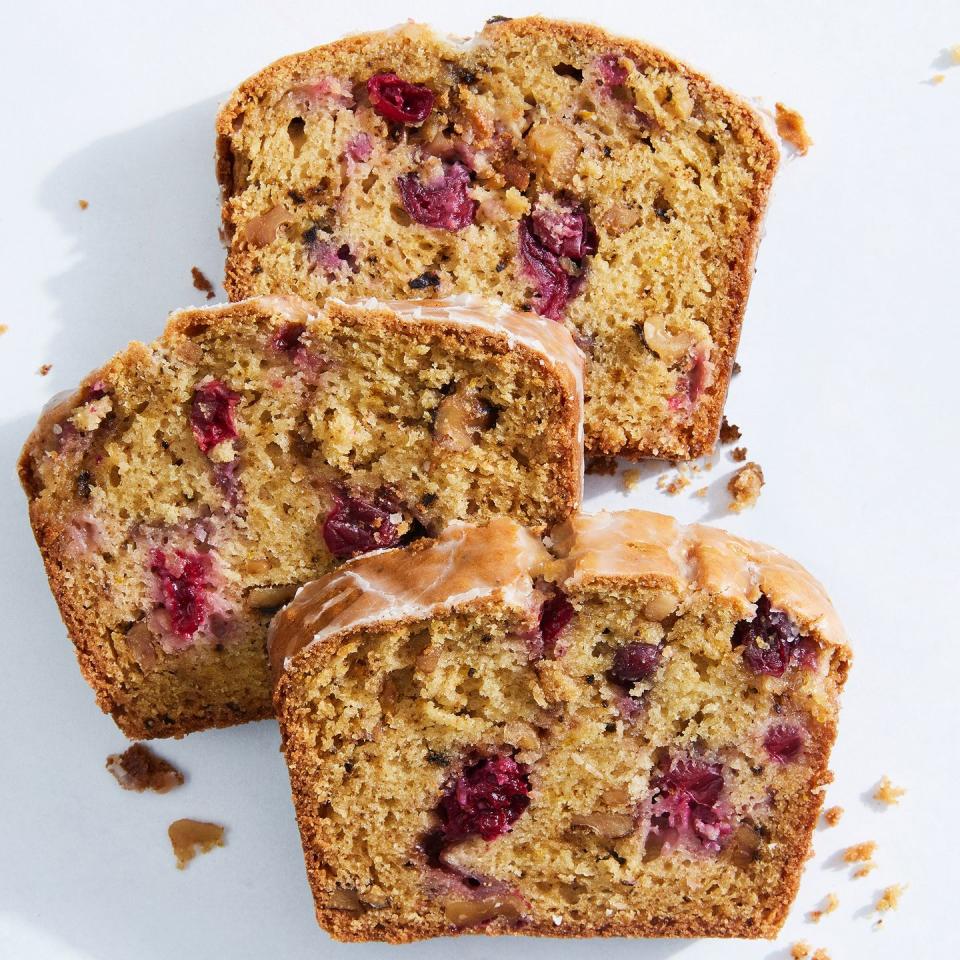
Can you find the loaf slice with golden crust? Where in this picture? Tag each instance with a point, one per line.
(182, 493)
(626, 734)
(590, 178)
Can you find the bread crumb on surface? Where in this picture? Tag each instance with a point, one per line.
(738, 454)
(673, 485)
(3, 329)
(83, 204)
(889, 898)
(830, 903)
(860, 852)
(792, 129)
(201, 282)
(937, 79)
(820, 954)
(44, 369)
(190, 837)
(601, 466)
(886, 793)
(729, 432)
(744, 486)
(631, 478)
(702, 492)
(832, 816)
(800, 951)
(864, 871)
(736, 369)
(139, 768)
(955, 53)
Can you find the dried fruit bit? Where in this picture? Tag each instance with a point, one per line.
(211, 414)
(441, 200)
(354, 526)
(190, 837)
(83, 204)
(400, 101)
(686, 805)
(886, 793)
(634, 662)
(425, 280)
(201, 282)
(792, 129)
(800, 951)
(860, 852)
(729, 432)
(139, 768)
(45, 368)
(744, 486)
(783, 742)
(182, 584)
(830, 903)
(485, 800)
(832, 816)
(772, 642)
(890, 898)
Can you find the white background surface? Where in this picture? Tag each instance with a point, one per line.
(847, 399)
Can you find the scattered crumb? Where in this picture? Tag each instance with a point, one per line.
(820, 954)
(736, 369)
(860, 852)
(864, 871)
(937, 79)
(44, 369)
(601, 466)
(792, 129)
(889, 898)
(630, 479)
(800, 951)
(201, 282)
(702, 492)
(83, 204)
(190, 837)
(954, 52)
(832, 816)
(673, 486)
(139, 768)
(744, 486)
(886, 793)
(729, 432)
(738, 454)
(3, 329)
(830, 903)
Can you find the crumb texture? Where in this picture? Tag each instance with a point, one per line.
(139, 768)
(588, 178)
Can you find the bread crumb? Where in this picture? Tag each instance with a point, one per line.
(631, 478)
(83, 204)
(800, 951)
(675, 485)
(702, 492)
(955, 53)
(820, 954)
(190, 837)
(864, 871)
(44, 369)
(792, 129)
(738, 454)
(736, 369)
(139, 768)
(860, 852)
(937, 79)
(744, 486)
(729, 432)
(201, 282)
(830, 903)
(890, 898)
(886, 793)
(3, 329)
(601, 466)
(832, 816)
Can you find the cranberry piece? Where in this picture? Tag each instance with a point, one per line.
(610, 70)
(287, 338)
(783, 742)
(400, 101)
(356, 526)
(771, 642)
(360, 147)
(441, 202)
(634, 662)
(182, 579)
(555, 616)
(211, 414)
(327, 255)
(485, 800)
(545, 237)
(688, 800)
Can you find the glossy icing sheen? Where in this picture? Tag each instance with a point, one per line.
(502, 559)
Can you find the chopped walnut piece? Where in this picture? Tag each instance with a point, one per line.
(469, 913)
(744, 486)
(860, 852)
(792, 129)
(262, 230)
(830, 903)
(554, 150)
(832, 816)
(610, 825)
(139, 768)
(800, 951)
(601, 466)
(620, 218)
(738, 454)
(460, 417)
(271, 598)
(190, 837)
(201, 282)
(729, 432)
(44, 369)
(889, 898)
(886, 793)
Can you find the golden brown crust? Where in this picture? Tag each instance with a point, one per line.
(687, 439)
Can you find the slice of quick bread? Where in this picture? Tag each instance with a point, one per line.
(181, 494)
(626, 734)
(591, 179)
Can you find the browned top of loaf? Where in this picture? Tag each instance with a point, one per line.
(501, 560)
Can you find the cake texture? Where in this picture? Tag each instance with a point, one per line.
(186, 489)
(626, 734)
(592, 179)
